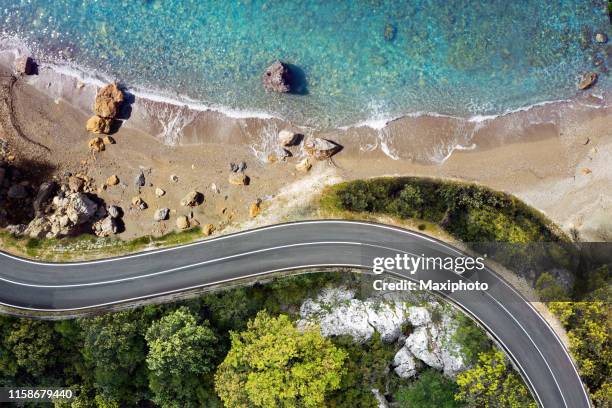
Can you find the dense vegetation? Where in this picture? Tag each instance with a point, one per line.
(519, 237)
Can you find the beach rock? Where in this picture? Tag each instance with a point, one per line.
(277, 78)
(17, 192)
(106, 227)
(404, 363)
(96, 144)
(108, 100)
(255, 209)
(114, 211)
(321, 149)
(288, 138)
(75, 184)
(139, 180)
(208, 229)
(161, 214)
(192, 199)
(139, 203)
(182, 222)
(588, 80)
(45, 192)
(159, 192)
(304, 165)
(108, 140)
(239, 179)
(98, 125)
(112, 180)
(601, 38)
(25, 66)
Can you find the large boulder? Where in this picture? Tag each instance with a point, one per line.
(108, 101)
(45, 192)
(288, 138)
(99, 125)
(588, 80)
(106, 227)
(161, 214)
(192, 199)
(69, 214)
(277, 77)
(321, 149)
(96, 144)
(404, 363)
(182, 222)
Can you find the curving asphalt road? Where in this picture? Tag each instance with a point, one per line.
(531, 344)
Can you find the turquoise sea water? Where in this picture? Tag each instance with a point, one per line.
(470, 57)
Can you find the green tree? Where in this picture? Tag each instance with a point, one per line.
(31, 342)
(430, 390)
(114, 349)
(181, 351)
(493, 384)
(273, 364)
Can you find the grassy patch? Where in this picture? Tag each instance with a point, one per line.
(90, 246)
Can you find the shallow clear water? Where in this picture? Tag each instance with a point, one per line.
(463, 58)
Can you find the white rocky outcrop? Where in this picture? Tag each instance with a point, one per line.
(67, 214)
(337, 313)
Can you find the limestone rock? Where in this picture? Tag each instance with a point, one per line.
(321, 149)
(25, 66)
(208, 229)
(161, 214)
(255, 209)
(139, 203)
(588, 80)
(112, 180)
(45, 192)
(404, 363)
(182, 222)
(106, 227)
(192, 199)
(99, 125)
(139, 180)
(277, 78)
(108, 100)
(75, 184)
(159, 192)
(239, 179)
(304, 165)
(114, 211)
(288, 138)
(96, 144)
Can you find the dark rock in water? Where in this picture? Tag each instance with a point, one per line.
(277, 78)
(139, 181)
(45, 192)
(588, 80)
(25, 66)
(390, 32)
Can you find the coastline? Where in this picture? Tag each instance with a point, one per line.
(537, 153)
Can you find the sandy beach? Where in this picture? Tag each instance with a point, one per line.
(554, 156)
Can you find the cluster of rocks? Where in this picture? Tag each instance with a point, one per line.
(237, 177)
(106, 109)
(424, 342)
(315, 149)
(589, 79)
